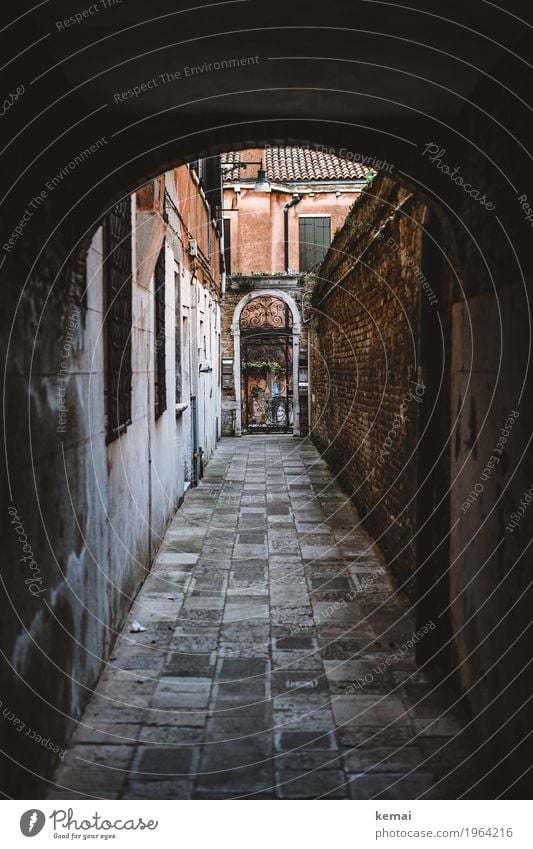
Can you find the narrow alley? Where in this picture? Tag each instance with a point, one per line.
(276, 660)
(266, 325)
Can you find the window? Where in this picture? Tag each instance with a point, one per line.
(118, 317)
(196, 165)
(179, 336)
(210, 175)
(160, 337)
(315, 238)
(227, 245)
(184, 369)
(212, 185)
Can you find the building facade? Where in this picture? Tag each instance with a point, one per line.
(193, 213)
(264, 355)
(287, 228)
(133, 405)
(276, 232)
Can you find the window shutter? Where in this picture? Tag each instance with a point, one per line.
(315, 238)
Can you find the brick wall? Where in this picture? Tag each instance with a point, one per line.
(364, 338)
(473, 580)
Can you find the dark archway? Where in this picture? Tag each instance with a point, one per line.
(92, 89)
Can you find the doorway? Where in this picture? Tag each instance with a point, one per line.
(267, 397)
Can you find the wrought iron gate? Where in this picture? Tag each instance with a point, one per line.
(266, 366)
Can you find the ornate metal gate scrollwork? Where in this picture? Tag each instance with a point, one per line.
(266, 365)
(266, 312)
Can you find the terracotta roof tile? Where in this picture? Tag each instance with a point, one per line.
(298, 164)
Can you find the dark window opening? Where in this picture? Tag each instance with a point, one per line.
(315, 238)
(118, 318)
(183, 357)
(212, 184)
(178, 342)
(227, 245)
(209, 174)
(160, 335)
(196, 165)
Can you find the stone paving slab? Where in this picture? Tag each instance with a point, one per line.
(272, 664)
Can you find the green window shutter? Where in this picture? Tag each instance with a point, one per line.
(306, 237)
(315, 238)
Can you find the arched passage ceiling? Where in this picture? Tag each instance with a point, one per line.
(372, 76)
(386, 51)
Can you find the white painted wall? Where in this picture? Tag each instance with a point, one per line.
(200, 314)
(93, 513)
(138, 482)
(166, 473)
(199, 319)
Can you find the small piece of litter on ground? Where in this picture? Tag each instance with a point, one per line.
(136, 627)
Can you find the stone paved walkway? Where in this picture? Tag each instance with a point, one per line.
(266, 603)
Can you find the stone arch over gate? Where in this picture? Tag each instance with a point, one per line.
(236, 333)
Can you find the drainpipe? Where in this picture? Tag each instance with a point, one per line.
(195, 468)
(195, 387)
(309, 398)
(286, 208)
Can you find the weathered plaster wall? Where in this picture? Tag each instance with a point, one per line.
(198, 314)
(257, 219)
(492, 516)
(258, 230)
(92, 514)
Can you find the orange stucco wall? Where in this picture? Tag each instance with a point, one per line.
(195, 217)
(257, 229)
